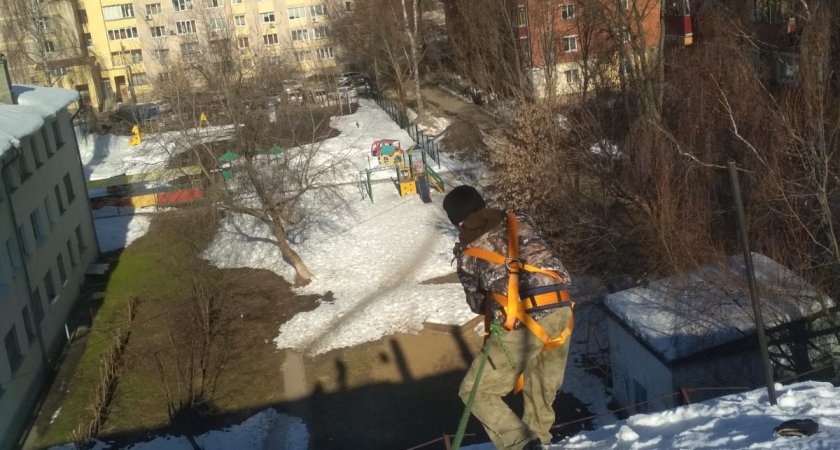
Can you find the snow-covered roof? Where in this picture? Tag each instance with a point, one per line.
(34, 104)
(687, 313)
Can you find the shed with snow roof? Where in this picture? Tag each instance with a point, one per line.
(696, 330)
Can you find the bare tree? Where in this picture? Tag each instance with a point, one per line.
(41, 39)
(280, 176)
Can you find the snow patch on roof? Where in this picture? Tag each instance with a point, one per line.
(48, 100)
(17, 122)
(687, 313)
(34, 104)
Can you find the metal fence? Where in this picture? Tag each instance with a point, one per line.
(429, 145)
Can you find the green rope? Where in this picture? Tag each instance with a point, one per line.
(496, 330)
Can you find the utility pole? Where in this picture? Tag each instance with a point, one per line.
(748, 265)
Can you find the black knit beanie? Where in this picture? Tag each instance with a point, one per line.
(461, 202)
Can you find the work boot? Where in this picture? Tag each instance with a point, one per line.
(533, 445)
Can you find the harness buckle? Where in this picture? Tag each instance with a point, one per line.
(513, 264)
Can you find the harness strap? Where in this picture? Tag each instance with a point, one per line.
(512, 303)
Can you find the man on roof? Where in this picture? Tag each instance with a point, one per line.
(502, 257)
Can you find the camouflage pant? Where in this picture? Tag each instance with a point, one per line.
(543, 377)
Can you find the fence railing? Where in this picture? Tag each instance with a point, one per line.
(428, 144)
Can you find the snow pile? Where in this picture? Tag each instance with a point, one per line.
(265, 430)
(665, 312)
(118, 232)
(17, 122)
(47, 100)
(741, 421)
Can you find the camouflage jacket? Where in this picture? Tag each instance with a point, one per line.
(487, 229)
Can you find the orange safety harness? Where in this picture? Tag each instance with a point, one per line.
(516, 308)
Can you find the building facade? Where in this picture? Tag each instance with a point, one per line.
(136, 42)
(47, 241)
(567, 40)
(43, 42)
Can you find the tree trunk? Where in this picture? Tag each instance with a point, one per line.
(302, 274)
(411, 31)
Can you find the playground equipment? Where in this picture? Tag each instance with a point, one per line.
(137, 136)
(413, 176)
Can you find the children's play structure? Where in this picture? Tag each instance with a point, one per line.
(413, 176)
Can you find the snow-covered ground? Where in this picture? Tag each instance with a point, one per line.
(265, 430)
(373, 258)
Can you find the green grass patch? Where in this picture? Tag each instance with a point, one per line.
(144, 270)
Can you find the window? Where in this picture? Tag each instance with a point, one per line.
(320, 32)
(567, 12)
(37, 306)
(235, 2)
(569, 44)
(62, 270)
(35, 222)
(239, 21)
(153, 8)
(49, 213)
(303, 56)
(161, 54)
(572, 76)
(27, 325)
(49, 286)
(14, 255)
(23, 242)
(88, 39)
(139, 79)
(787, 67)
(58, 200)
(42, 23)
(122, 33)
(271, 39)
(36, 152)
(348, 6)
(158, 32)
(73, 259)
(190, 48)
(80, 241)
(217, 24)
(13, 353)
(297, 13)
(164, 77)
(212, 3)
(521, 17)
(300, 35)
(49, 46)
(181, 5)
(316, 10)
(68, 187)
(185, 26)
(242, 42)
(59, 138)
(267, 17)
(127, 57)
(83, 18)
(117, 12)
(324, 53)
(623, 5)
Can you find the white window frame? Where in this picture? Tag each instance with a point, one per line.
(267, 17)
(271, 39)
(239, 21)
(567, 11)
(182, 5)
(158, 31)
(153, 9)
(184, 27)
(300, 35)
(570, 44)
(297, 12)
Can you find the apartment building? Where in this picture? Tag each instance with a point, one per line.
(560, 36)
(136, 42)
(43, 42)
(47, 241)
